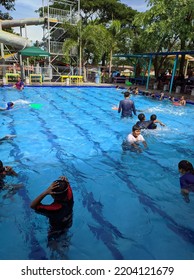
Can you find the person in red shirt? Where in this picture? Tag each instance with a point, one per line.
(60, 210)
(19, 85)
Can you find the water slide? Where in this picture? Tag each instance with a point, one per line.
(16, 41)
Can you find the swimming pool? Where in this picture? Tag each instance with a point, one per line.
(127, 205)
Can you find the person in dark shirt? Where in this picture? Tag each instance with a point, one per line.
(151, 124)
(187, 178)
(5, 171)
(60, 210)
(126, 106)
(142, 123)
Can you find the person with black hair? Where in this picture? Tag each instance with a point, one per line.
(151, 124)
(142, 123)
(126, 106)
(187, 179)
(19, 84)
(133, 140)
(153, 121)
(60, 210)
(5, 171)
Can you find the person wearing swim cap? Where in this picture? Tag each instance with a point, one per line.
(9, 106)
(187, 178)
(60, 210)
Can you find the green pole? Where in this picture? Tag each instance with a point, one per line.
(173, 73)
(149, 68)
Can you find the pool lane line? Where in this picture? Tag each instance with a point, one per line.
(104, 224)
(94, 214)
(186, 233)
(17, 155)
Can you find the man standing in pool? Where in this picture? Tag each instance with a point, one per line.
(126, 106)
(60, 211)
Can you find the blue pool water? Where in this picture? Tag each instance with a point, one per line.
(127, 205)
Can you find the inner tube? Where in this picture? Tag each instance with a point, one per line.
(176, 104)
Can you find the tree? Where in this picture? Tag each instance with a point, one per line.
(166, 26)
(8, 4)
(92, 41)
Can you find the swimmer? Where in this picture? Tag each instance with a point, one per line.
(19, 85)
(6, 171)
(142, 123)
(187, 179)
(153, 119)
(7, 137)
(133, 140)
(182, 101)
(59, 211)
(9, 106)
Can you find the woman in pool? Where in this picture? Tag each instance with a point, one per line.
(19, 85)
(60, 210)
(187, 178)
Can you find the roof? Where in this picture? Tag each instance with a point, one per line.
(33, 51)
(144, 55)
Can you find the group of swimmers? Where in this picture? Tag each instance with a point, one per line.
(134, 139)
(60, 210)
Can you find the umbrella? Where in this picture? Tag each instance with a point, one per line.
(33, 51)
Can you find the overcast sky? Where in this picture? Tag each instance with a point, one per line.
(26, 9)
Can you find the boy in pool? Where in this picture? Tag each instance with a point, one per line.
(60, 210)
(187, 179)
(153, 119)
(151, 124)
(133, 140)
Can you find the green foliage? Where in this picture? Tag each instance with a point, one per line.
(5, 16)
(8, 4)
(166, 26)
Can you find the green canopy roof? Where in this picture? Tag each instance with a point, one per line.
(33, 51)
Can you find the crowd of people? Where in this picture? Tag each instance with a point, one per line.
(136, 142)
(60, 211)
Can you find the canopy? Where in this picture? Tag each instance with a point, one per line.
(33, 51)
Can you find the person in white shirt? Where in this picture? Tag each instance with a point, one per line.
(133, 140)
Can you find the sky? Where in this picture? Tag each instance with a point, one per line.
(26, 9)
